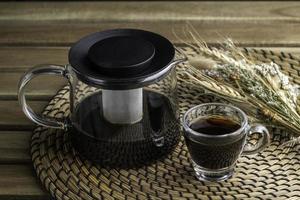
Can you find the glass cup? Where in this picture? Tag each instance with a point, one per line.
(215, 135)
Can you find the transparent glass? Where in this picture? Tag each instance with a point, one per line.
(125, 136)
(115, 127)
(214, 154)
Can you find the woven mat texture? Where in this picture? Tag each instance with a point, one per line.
(271, 174)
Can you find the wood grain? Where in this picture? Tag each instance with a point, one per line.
(45, 87)
(145, 11)
(27, 57)
(20, 182)
(63, 23)
(244, 33)
(41, 32)
(40, 88)
(12, 117)
(14, 147)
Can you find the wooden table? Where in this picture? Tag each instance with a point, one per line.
(39, 32)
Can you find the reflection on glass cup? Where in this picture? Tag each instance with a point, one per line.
(215, 135)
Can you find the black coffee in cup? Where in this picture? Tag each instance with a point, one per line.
(214, 155)
(215, 134)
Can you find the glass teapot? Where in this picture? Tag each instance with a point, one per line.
(123, 97)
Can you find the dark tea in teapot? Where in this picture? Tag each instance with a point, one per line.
(125, 144)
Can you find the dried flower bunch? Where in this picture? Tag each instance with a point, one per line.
(259, 88)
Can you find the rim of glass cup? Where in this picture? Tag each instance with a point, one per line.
(236, 132)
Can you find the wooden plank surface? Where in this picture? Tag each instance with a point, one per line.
(45, 87)
(158, 11)
(40, 88)
(12, 117)
(26, 57)
(20, 182)
(14, 147)
(62, 23)
(247, 33)
(41, 32)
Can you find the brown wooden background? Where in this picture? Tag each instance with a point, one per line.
(41, 32)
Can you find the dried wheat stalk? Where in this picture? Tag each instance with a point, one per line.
(261, 88)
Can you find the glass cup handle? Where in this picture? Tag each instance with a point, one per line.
(35, 71)
(263, 142)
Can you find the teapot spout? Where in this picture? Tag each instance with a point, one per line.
(182, 58)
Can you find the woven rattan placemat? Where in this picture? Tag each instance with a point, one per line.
(272, 174)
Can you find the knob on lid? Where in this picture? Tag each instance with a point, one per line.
(121, 54)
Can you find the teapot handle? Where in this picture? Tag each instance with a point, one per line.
(35, 71)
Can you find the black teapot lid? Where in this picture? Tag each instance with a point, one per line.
(121, 58)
